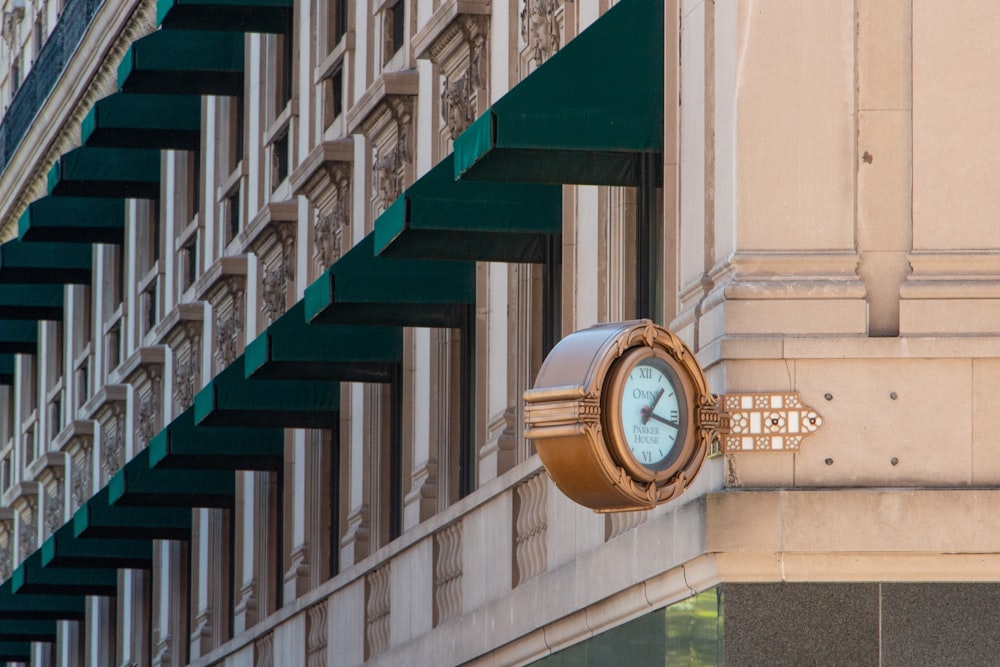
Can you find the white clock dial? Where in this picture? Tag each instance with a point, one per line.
(651, 413)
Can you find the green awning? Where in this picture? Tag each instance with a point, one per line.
(18, 337)
(184, 62)
(15, 652)
(73, 220)
(230, 399)
(124, 120)
(21, 630)
(290, 349)
(273, 16)
(45, 263)
(63, 549)
(106, 172)
(40, 607)
(31, 302)
(32, 579)
(136, 484)
(182, 445)
(363, 288)
(440, 218)
(99, 519)
(582, 117)
(7, 363)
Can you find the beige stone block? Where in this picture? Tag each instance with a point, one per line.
(891, 520)
(750, 567)
(884, 186)
(883, 54)
(290, 641)
(955, 136)
(571, 528)
(949, 316)
(749, 470)
(986, 421)
(891, 567)
(795, 125)
(759, 376)
(345, 620)
(486, 552)
(797, 317)
(927, 427)
(412, 585)
(743, 521)
(691, 260)
(241, 658)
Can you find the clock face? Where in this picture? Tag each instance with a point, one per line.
(653, 413)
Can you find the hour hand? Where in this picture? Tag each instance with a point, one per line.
(647, 410)
(664, 420)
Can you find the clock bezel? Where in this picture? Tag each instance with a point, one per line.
(611, 407)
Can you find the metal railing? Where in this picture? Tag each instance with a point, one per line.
(41, 79)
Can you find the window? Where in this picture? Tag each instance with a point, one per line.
(338, 18)
(393, 33)
(233, 215)
(15, 77)
(279, 159)
(649, 240)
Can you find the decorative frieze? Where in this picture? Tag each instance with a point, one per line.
(324, 177)
(447, 573)
(377, 609)
(144, 371)
(386, 116)
(182, 332)
(228, 304)
(530, 528)
(52, 481)
(461, 53)
(271, 237)
(316, 635)
(77, 441)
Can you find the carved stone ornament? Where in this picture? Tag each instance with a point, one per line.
(226, 335)
(80, 478)
(147, 418)
(328, 234)
(28, 539)
(458, 107)
(387, 169)
(54, 506)
(112, 447)
(185, 379)
(274, 288)
(6, 561)
(539, 28)
(11, 21)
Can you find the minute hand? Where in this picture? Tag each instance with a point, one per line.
(665, 421)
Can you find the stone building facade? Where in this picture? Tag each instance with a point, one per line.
(276, 275)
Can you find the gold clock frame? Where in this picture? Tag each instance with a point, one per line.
(585, 456)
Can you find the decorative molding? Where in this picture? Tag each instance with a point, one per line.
(11, 23)
(766, 422)
(6, 543)
(316, 635)
(447, 573)
(263, 651)
(530, 528)
(113, 441)
(617, 523)
(388, 165)
(80, 475)
(370, 108)
(55, 495)
(378, 606)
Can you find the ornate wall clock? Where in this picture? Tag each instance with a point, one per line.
(621, 416)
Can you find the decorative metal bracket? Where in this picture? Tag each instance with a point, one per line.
(759, 422)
